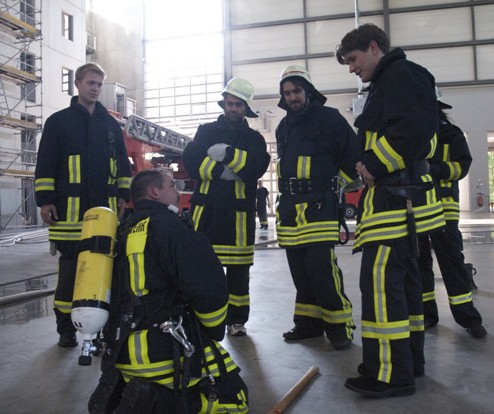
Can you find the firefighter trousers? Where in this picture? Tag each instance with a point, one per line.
(447, 245)
(237, 278)
(392, 316)
(321, 304)
(67, 266)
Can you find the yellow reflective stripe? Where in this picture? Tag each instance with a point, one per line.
(73, 208)
(65, 231)
(417, 323)
(460, 299)
(303, 167)
(370, 140)
(123, 182)
(113, 172)
(379, 284)
(162, 371)
(44, 184)
(387, 330)
(241, 228)
(138, 348)
(204, 187)
(347, 178)
(344, 315)
(112, 204)
(388, 156)
(206, 168)
(433, 146)
(392, 224)
(212, 319)
(451, 209)
(196, 216)
(300, 219)
(338, 316)
(239, 189)
(239, 407)
(455, 170)
(308, 233)
(64, 307)
(311, 311)
(238, 161)
(74, 167)
(208, 406)
(385, 365)
(136, 243)
(239, 301)
(231, 255)
(428, 296)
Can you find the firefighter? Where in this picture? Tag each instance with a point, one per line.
(315, 145)
(397, 132)
(226, 159)
(173, 306)
(450, 163)
(82, 163)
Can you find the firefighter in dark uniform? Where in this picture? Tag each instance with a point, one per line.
(82, 163)
(397, 132)
(450, 163)
(315, 145)
(173, 305)
(227, 157)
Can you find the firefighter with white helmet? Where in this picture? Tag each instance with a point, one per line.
(227, 157)
(315, 146)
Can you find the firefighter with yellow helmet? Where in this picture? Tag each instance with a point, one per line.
(316, 148)
(227, 157)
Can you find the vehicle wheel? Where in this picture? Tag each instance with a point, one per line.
(350, 211)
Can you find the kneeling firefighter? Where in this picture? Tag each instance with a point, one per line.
(168, 311)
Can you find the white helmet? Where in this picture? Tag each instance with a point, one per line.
(242, 89)
(295, 70)
(298, 71)
(439, 97)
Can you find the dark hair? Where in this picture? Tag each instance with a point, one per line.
(359, 39)
(300, 82)
(142, 180)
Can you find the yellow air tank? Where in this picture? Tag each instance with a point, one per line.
(92, 288)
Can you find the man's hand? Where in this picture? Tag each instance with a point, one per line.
(218, 152)
(49, 214)
(367, 177)
(228, 175)
(121, 207)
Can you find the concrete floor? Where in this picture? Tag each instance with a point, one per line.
(36, 376)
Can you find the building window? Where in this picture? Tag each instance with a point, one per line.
(27, 64)
(68, 81)
(67, 26)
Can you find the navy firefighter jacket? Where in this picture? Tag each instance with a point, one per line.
(82, 163)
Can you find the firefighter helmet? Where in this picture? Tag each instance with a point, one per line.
(298, 71)
(439, 97)
(242, 89)
(295, 70)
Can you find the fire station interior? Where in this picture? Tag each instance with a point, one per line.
(160, 87)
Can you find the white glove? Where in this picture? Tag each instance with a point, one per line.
(228, 175)
(218, 152)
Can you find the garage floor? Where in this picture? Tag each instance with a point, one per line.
(36, 376)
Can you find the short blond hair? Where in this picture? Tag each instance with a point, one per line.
(89, 67)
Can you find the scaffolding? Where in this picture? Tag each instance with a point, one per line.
(20, 107)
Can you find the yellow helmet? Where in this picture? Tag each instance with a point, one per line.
(242, 89)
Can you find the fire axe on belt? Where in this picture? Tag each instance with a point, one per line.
(409, 192)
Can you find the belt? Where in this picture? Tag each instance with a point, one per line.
(408, 175)
(294, 186)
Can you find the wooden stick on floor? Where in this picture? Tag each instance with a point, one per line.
(285, 401)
